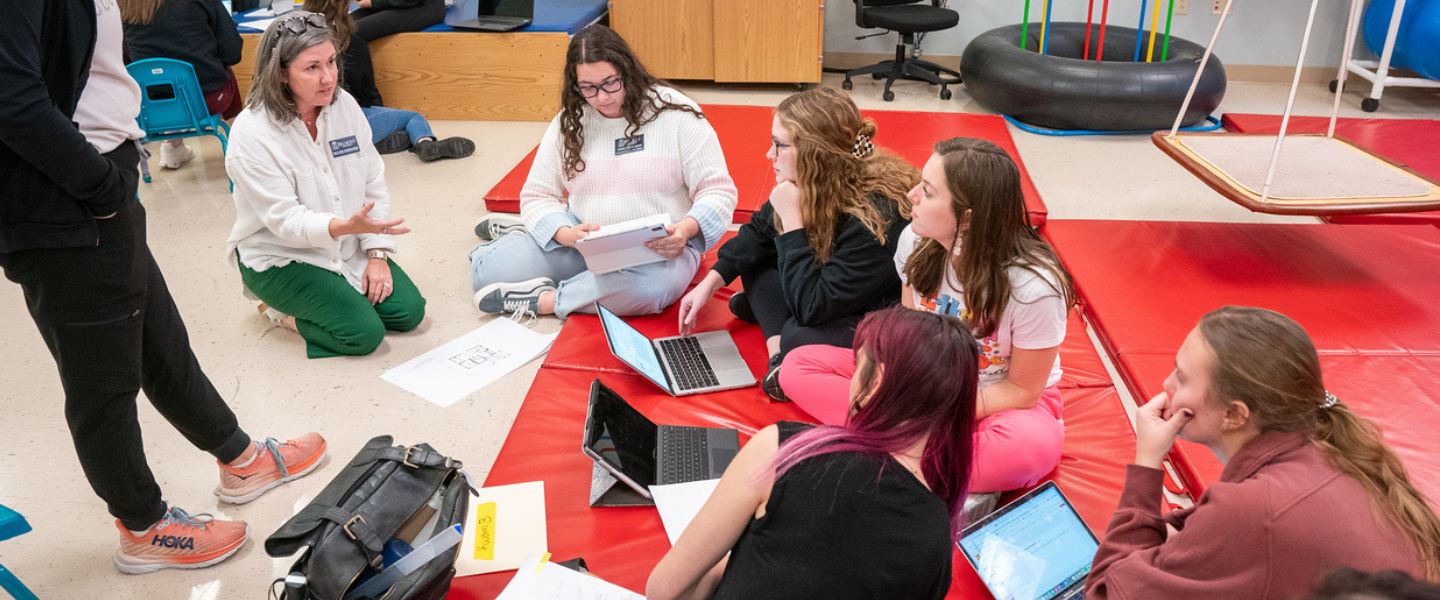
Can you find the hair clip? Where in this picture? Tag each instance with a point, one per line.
(862, 147)
(1330, 400)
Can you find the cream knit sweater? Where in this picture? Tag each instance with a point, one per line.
(673, 165)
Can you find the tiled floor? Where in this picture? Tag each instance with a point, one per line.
(264, 375)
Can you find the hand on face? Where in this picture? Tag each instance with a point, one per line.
(1156, 426)
(785, 200)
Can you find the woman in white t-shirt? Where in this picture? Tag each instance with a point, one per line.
(625, 146)
(1004, 281)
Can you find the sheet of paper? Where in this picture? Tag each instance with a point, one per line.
(506, 525)
(257, 24)
(453, 371)
(678, 504)
(544, 580)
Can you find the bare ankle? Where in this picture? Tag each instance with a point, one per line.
(547, 303)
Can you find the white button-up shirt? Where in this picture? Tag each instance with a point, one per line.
(289, 186)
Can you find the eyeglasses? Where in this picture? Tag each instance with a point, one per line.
(609, 86)
(777, 144)
(298, 23)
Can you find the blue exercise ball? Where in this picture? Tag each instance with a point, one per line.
(1416, 41)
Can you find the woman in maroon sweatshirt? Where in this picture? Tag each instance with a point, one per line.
(1308, 486)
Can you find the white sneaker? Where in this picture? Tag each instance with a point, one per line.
(174, 156)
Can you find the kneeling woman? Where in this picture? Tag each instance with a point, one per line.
(1308, 485)
(882, 495)
(970, 253)
(301, 158)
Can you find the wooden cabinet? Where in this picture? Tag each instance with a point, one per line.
(754, 41)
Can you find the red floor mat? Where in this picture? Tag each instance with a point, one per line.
(1409, 142)
(1359, 289)
(744, 133)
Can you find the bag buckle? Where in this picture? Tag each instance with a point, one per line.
(351, 523)
(409, 451)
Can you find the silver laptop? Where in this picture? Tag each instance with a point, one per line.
(640, 453)
(490, 15)
(680, 365)
(1035, 548)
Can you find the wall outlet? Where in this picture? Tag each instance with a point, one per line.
(1182, 7)
(1217, 5)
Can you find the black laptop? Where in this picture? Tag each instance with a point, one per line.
(490, 15)
(639, 453)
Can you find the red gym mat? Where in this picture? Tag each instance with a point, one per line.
(1409, 142)
(1364, 293)
(744, 133)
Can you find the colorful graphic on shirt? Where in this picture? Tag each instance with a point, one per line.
(992, 361)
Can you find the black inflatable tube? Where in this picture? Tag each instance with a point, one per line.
(1060, 91)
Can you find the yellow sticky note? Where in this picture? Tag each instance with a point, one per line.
(485, 531)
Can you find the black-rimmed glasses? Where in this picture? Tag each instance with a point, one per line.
(609, 86)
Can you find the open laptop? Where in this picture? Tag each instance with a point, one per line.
(1035, 548)
(680, 365)
(490, 15)
(640, 453)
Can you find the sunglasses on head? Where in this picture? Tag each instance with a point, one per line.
(298, 22)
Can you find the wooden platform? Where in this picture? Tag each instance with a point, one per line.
(461, 76)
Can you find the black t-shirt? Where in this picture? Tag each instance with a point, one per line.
(843, 525)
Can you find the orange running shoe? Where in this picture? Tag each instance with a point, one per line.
(287, 461)
(179, 541)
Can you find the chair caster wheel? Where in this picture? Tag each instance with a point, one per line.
(1369, 105)
(888, 95)
(877, 75)
(944, 93)
(846, 85)
(1334, 83)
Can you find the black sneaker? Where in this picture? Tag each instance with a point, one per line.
(740, 307)
(433, 150)
(393, 143)
(496, 226)
(518, 299)
(771, 383)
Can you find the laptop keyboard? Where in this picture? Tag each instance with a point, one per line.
(688, 363)
(683, 452)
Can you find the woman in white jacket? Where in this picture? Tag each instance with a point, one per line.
(301, 159)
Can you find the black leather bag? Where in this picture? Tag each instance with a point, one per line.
(344, 530)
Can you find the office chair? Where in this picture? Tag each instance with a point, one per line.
(907, 18)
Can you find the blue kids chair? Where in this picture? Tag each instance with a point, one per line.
(11, 525)
(172, 105)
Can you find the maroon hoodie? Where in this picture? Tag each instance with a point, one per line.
(1278, 520)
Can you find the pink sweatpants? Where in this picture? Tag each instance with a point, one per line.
(1013, 449)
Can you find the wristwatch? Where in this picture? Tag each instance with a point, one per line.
(377, 254)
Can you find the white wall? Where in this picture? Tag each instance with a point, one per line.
(1257, 32)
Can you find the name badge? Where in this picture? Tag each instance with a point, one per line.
(629, 144)
(344, 146)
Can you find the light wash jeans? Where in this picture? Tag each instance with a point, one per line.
(642, 290)
(385, 121)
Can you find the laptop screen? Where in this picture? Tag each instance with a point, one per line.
(631, 346)
(620, 435)
(1032, 549)
(524, 9)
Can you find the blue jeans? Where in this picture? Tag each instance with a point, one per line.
(385, 121)
(642, 290)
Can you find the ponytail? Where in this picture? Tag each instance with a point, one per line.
(1353, 446)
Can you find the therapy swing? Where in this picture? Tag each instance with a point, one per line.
(1323, 174)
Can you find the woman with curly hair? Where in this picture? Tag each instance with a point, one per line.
(818, 255)
(625, 146)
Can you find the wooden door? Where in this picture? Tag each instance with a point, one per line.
(673, 38)
(770, 41)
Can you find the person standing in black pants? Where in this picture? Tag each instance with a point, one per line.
(819, 254)
(72, 235)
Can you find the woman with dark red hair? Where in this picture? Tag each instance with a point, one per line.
(870, 509)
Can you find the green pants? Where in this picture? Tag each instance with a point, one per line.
(334, 319)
